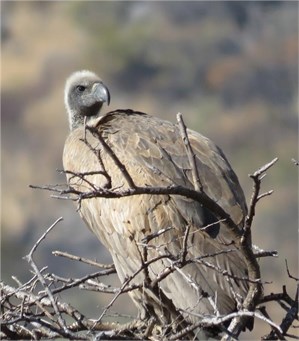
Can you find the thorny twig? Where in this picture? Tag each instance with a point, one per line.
(257, 177)
(292, 314)
(289, 274)
(47, 329)
(189, 151)
(255, 289)
(29, 258)
(83, 260)
(217, 320)
(291, 309)
(109, 151)
(260, 253)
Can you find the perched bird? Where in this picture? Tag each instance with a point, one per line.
(146, 233)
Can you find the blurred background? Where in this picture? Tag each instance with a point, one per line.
(230, 67)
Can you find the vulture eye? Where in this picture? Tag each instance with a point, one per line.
(81, 88)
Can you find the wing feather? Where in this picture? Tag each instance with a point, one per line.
(154, 155)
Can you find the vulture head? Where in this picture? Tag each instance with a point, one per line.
(84, 97)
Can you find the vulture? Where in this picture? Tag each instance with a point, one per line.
(148, 233)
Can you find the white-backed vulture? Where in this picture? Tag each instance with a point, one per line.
(154, 155)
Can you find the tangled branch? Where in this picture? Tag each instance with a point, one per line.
(30, 313)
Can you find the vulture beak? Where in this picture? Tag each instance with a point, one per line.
(101, 93)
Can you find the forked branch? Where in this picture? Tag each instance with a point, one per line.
(32, 313)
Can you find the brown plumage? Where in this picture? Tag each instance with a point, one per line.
(153, 153)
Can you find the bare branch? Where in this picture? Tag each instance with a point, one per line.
(185, 244)
(288, 271)
(259, 253)
(255, 289)
(287, 321)
(257, 177)
(83, 260)
(110, 152)
(217, 320)
(189, 151)
(29, 258)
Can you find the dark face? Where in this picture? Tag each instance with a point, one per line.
(84, 96)
(87, 97)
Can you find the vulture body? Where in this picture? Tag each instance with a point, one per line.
(153, 153)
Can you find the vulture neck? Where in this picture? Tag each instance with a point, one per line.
(76, 119)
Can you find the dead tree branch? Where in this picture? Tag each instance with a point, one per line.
(255, 290)
(83, 260)
(189, 151)
(27, 312)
